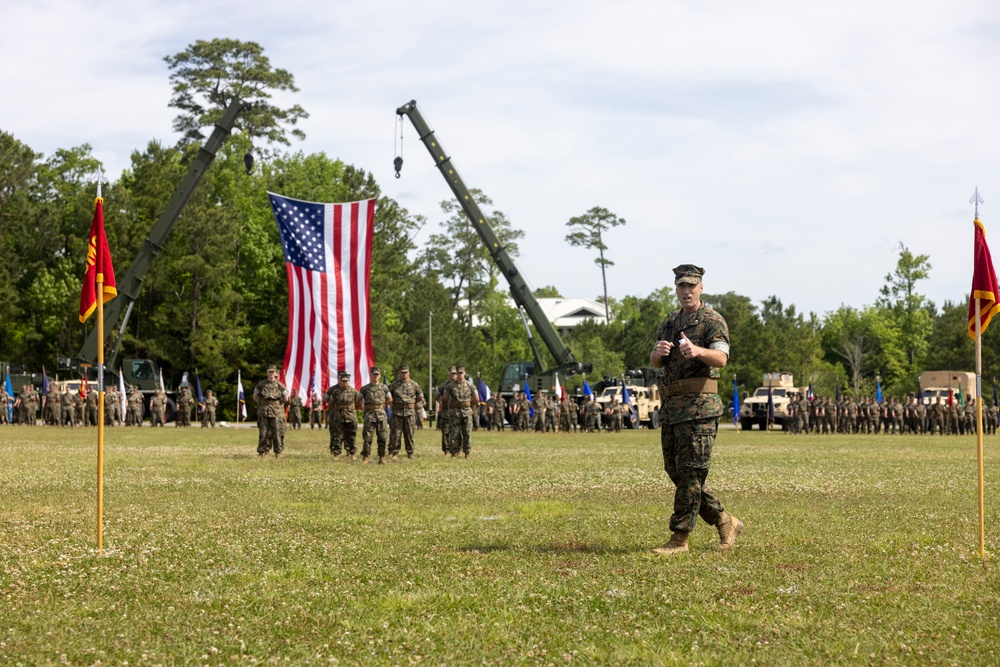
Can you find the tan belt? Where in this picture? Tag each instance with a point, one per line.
(377, 407)
(692, 386)
(463, 404)
(407, 406)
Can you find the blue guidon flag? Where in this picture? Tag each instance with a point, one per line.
(327, 251)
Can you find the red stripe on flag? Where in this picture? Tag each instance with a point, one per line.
(364, 296)
(355, 310)
(324, 356)
(289, 344)
(338, 224)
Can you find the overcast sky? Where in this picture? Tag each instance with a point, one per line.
(787, 147)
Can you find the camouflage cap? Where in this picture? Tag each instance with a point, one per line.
(459, 369)
(272, 367)
(403, 368)
(375, 370)
(688, 273)
(343, 375)
(452, 369)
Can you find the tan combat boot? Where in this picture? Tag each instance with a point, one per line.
(729, 529)
(678, 542)
(381, 460)
(364, 459)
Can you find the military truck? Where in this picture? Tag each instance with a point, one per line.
(939, 384)
(645, 401)
(754, 410)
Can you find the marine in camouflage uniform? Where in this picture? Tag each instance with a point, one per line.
(270, 396)
(315, 410)
(692, 345)
(68, 409)
(498, 408)
(541, 404)
(462, 397)
(407, 397)
(342, 415)
(295, 412)
(133, 408)
(90, 409)
(376, 398)
(4, 404)
(445, 414)
(184, 403)
(53, 402)
(158, 409)
(208, 414)
(566, 415)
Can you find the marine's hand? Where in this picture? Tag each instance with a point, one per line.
(688, 349)
(663, 348)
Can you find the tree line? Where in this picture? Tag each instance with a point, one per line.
(215, 299)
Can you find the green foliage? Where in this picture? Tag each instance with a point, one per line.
(588, 232)
(209, 75)
(459, 257)
(908, 311)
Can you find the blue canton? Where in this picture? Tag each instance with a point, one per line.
(301, 226)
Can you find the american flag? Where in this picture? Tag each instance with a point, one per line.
(328, 263)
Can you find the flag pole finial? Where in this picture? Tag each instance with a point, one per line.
(976, 199)
(100, 179)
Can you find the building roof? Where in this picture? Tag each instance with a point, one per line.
(566, 313)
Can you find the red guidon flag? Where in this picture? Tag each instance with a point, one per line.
(99, 267)
(984, 284)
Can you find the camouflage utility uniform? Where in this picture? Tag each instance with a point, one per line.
(690, 410)
(461, 397)
(375, 396)
(407, 397)
(270, 396)
(342, 417)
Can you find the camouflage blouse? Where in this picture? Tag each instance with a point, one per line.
(341, 403)
(374, 396)
(705, 328)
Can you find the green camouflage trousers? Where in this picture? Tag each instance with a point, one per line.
(372, 428)
(687, 453)
(401, 427)
(342, 436)
(270, 434)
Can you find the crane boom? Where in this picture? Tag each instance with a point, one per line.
(519, 290)
(131, 284)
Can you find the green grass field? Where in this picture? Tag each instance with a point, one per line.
(857, 550)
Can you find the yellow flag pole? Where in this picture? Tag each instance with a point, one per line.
(100, 414)
(979, 430)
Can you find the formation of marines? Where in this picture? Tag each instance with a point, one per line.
(544, 414)
(892, 416)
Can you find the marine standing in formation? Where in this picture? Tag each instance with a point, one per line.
(407, 397)
(315, 410)
(462, 397)
(376, 398)
(208, 414)
(184, 402)
(342, 416)
(270, 396)
(692, 344)
(158, 409)
(295, 412)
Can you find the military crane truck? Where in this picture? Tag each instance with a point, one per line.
(518, 374)
(145, 373)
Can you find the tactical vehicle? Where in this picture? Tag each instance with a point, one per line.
(942, 384)
(645, 403)
(754, 409)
